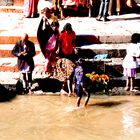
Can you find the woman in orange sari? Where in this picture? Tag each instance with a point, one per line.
(30, 8)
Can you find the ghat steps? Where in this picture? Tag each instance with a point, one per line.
(93, 37)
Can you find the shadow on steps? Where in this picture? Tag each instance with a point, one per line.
(48, 85)
(6, 93)
(43, 84)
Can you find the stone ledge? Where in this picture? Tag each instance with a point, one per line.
(120, 28)
(11, 9)
(51, 87)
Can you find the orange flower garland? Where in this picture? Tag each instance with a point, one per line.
(96, 77)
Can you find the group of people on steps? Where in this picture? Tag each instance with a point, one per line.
(32, 8)
(59, 50)
(61, 61)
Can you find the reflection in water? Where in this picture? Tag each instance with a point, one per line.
(56, 117)
(129, 119)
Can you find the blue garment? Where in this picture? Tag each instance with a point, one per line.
(103, 11)
(78, 79)
(78, 75)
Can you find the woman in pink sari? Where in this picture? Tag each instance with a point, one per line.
(30, 8)
(51, 48)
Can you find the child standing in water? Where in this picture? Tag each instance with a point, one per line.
(130, 63)
(79, 83)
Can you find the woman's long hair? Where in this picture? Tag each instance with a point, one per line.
(67, 27)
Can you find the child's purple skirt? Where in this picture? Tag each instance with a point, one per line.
(129, 72)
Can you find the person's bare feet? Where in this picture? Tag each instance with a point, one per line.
(30, 92)
(72, 94)
(133, 90)
(126, 88)
(62, 92)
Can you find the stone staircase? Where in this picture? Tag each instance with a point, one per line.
(93, 37)
(11, 9)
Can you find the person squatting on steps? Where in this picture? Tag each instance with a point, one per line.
(24, 50)
(130, 62)
(67, 48)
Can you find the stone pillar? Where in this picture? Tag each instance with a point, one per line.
(110, 7)
(118, 7)
(114, 7)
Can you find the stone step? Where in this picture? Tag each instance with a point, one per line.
(11, 9)
(114, 64)
(9, 64)
(12, 35)
(11, 82)
(88, 30)
(88, 51)
(9, 37)
(5, 50)
(13, 39)
(113, 50)
(10, 75)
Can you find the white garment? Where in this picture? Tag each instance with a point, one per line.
(43, 4)
(26, 68)
(131, 52)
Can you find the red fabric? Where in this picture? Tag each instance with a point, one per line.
(67, 42)
(50, 53)
(30, 7)
(83, 2)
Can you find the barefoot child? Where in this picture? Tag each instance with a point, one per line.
(78, 83)
(130, 63)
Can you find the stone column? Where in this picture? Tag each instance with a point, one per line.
(114, 7)
(118, 7)
(110, 7)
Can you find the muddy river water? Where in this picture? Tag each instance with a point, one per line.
(55, 118)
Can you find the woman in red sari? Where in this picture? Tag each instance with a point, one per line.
(67, 43)
(30, 8)
(67, 51)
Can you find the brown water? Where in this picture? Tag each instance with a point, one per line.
(54, 118)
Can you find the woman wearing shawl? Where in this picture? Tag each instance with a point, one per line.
(47, 35)
(50, 49)
(45, 30)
